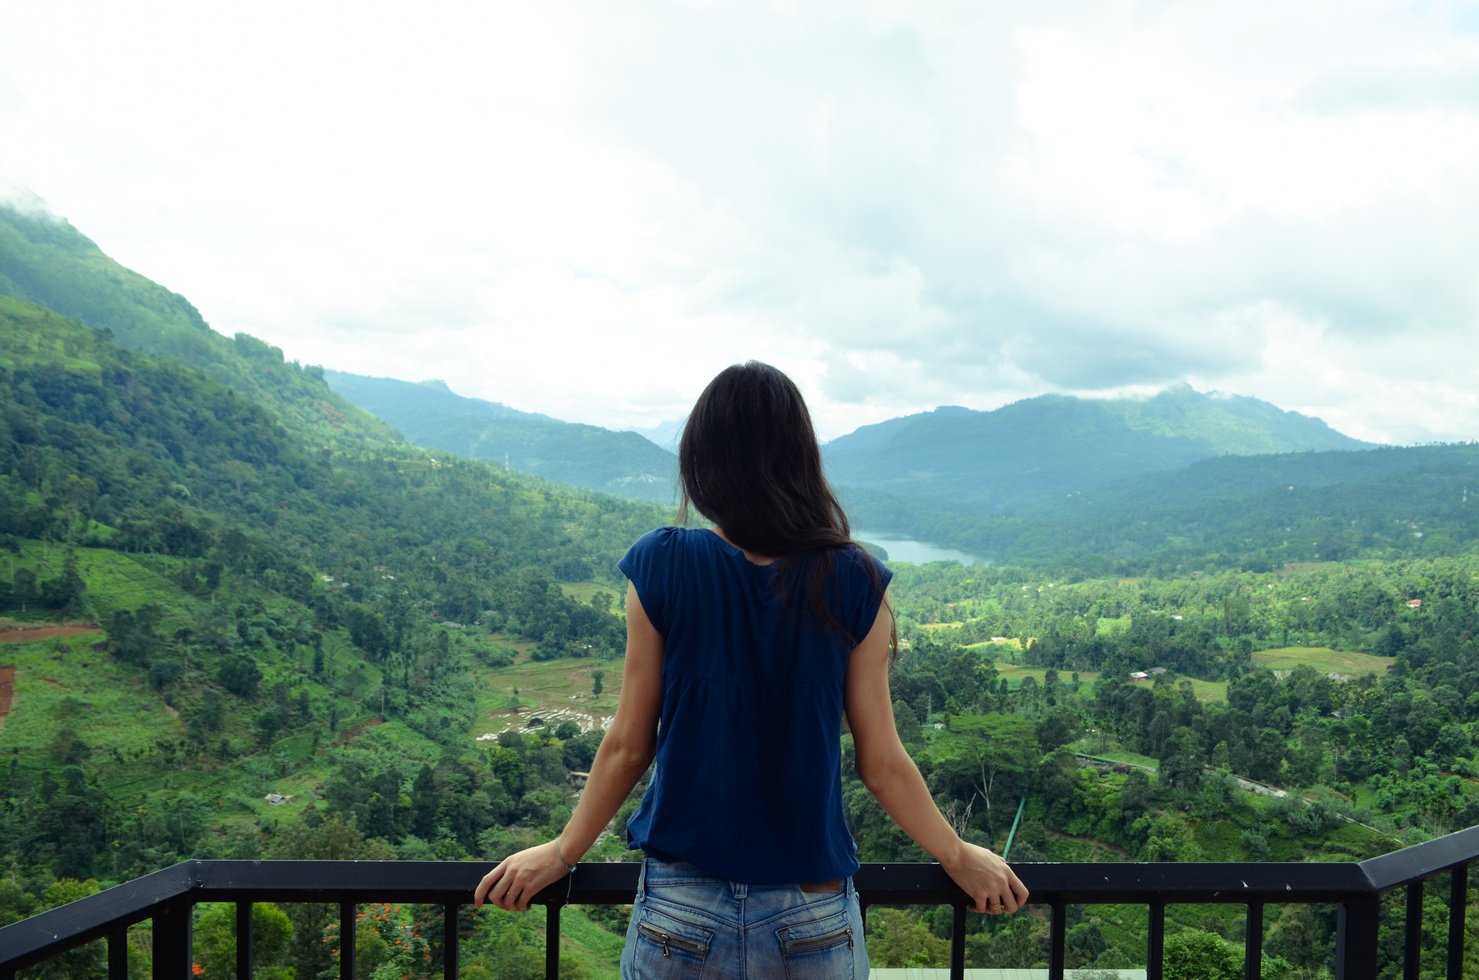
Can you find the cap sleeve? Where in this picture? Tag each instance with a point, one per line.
(868, 579)
(650, 565)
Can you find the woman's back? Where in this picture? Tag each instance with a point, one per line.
(747, 781)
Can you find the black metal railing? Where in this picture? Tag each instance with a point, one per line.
(167, 898)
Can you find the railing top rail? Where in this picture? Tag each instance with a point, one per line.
(902, 883)
(1423, 860)
(449, 882)
(89, 918)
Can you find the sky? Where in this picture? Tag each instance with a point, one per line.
(588, 209)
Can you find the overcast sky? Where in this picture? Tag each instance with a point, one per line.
(588, 209)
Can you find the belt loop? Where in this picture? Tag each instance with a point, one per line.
(642, 881)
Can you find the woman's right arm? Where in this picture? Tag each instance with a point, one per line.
(894, 780)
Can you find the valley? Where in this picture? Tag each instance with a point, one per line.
(242, 618)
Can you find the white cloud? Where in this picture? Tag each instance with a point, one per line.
(588, 212)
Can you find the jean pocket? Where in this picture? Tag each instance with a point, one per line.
(663, 946)
(820, 947)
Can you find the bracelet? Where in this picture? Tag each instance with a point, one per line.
(569, 868)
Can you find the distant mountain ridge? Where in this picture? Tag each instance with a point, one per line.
(1055, 444)
(432, 415)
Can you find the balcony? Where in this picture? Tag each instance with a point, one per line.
(166, 899)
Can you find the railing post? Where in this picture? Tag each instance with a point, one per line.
(1155, 944)
(1253, 943)
(552, 942)
(1412, 933)
(172, 941)
(243, 939)
(118, 953)
(957, 943)
(1058, 942)
(450, 940)
(1458, 907)
(346, 940)
(1355, 938)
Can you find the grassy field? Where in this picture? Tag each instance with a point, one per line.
(1014, 675)
(63, 685)
(1323, 659)
(585, 591)
(542, 687)
(1207, 690)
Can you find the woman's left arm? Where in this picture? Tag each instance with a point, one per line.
(625, 753)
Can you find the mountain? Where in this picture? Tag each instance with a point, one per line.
(1244, 512)
(46, 261)
(664, 435)
(430, 414)
(1055, 444)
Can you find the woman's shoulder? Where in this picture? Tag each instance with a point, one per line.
(858, 560)
(667, 542)
(667, 537)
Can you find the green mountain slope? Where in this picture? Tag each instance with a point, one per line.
(48, 262)
(253, 613)
(1250, 512)
(1057, 444)
(257, 598)
(431, 415)
(105, 446)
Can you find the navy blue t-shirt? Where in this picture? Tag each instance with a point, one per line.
(747, 782)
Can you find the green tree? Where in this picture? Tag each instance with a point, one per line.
(334, 839)
(1196, 955)
(214, 936)
(240, 675)
(899, 939)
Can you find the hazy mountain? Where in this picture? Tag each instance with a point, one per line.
(430, 414)
(664, 435)
(46, 261)
(1055, 444)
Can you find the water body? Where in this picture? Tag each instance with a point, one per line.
(916, 552)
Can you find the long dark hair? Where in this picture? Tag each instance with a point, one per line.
(749, 462)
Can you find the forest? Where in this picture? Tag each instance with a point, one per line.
(244, 628)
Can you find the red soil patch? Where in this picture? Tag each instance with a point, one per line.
(7, 692)
(30, 634)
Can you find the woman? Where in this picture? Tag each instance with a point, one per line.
(746, 645)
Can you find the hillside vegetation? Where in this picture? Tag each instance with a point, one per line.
(46, 261)
(229, 629)
(269, 614)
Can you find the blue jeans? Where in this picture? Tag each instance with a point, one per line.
(689, 923)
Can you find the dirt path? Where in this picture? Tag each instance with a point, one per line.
(30, 634)
(7, 693)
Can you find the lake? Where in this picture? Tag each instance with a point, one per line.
(916, 552)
